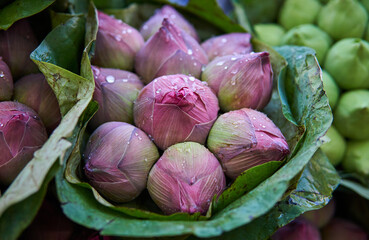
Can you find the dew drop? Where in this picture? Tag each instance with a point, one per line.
(234, 71)
(233, 58)
(118, 38)
(226, 67)
(195, 64)
(254, 118)
(124, 31)
(145, 159)
(189, 52)
(110, 79)
(1, 125)
(263, 126)
(180, 59)
(224, 40)
(129, 30)
(125, 80)
(2, 74)
(191, 79)
(158, 91)
(220, 63)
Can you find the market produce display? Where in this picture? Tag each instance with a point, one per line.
(171, 119)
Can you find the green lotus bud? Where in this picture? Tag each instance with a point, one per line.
(366, 36)
(185, 179)
(322, 216)
(118, 158)
(348, 63)
(343, 19)
(357, 157)
(297, 12)
(331, 88)
(334, 146)
(246, 138)
(310, 36)
(34, 91)
(351, 116)
(342, 229)
(6, 82)
(270, 33)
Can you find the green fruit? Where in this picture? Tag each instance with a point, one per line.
(310, 36)
(270, 33)
(331, 88)
(343, 19)
(348, 63)
(297, 12)
(357, 157)
(351, 117)
(334, 146)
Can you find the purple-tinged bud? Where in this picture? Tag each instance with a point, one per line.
(299, 229)
(246, 138)
(16, 45)
(185, 179)
(241, 81)
(6, 82)
(21, 134)
(115, 91)
(170, 51)
(227, 44)
(341, 229)
(322, 216)
(176, 108)
(34, 91)
(118, 159)
(151, 26)
(116, 43)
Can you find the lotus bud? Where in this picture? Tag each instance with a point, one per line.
(356, 159)
(351, 116)
(6, 82)
(297, 12)
(334, 146)
(245, 138)
(170, 51)
(34, 91)
(116, 43)
(342, 229)
(322, 216)
(299, 229)
(227, 44)
(241, 81)
(331, 88)
(16, 45)
(21, 134)
(310, 36)
(352, 70)
(176, 108)
(151, 26)
(115, 91)
(118, 159)
(337, 19)
(185, 179)
(270, 33)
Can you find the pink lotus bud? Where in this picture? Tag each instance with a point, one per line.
(341, 229)
(185, 179)
(115, 91)
(16, 45)
(241, 81)
(6, 82)
(299, 229)
(170, 51)
(245, 138)
(151, 26)
(116, 43)
(21, 134)
(322, 216)
(227, 44)
(34, 91)
(176, 108)
(118, 159)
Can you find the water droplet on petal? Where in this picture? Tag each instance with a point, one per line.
(220, 63)
(110, 79)
(129, 30)
(191, 79)
(2, 74)
(189, 52)
(226, 67)
(224, 40)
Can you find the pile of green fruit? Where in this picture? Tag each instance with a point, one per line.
(338, 31)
